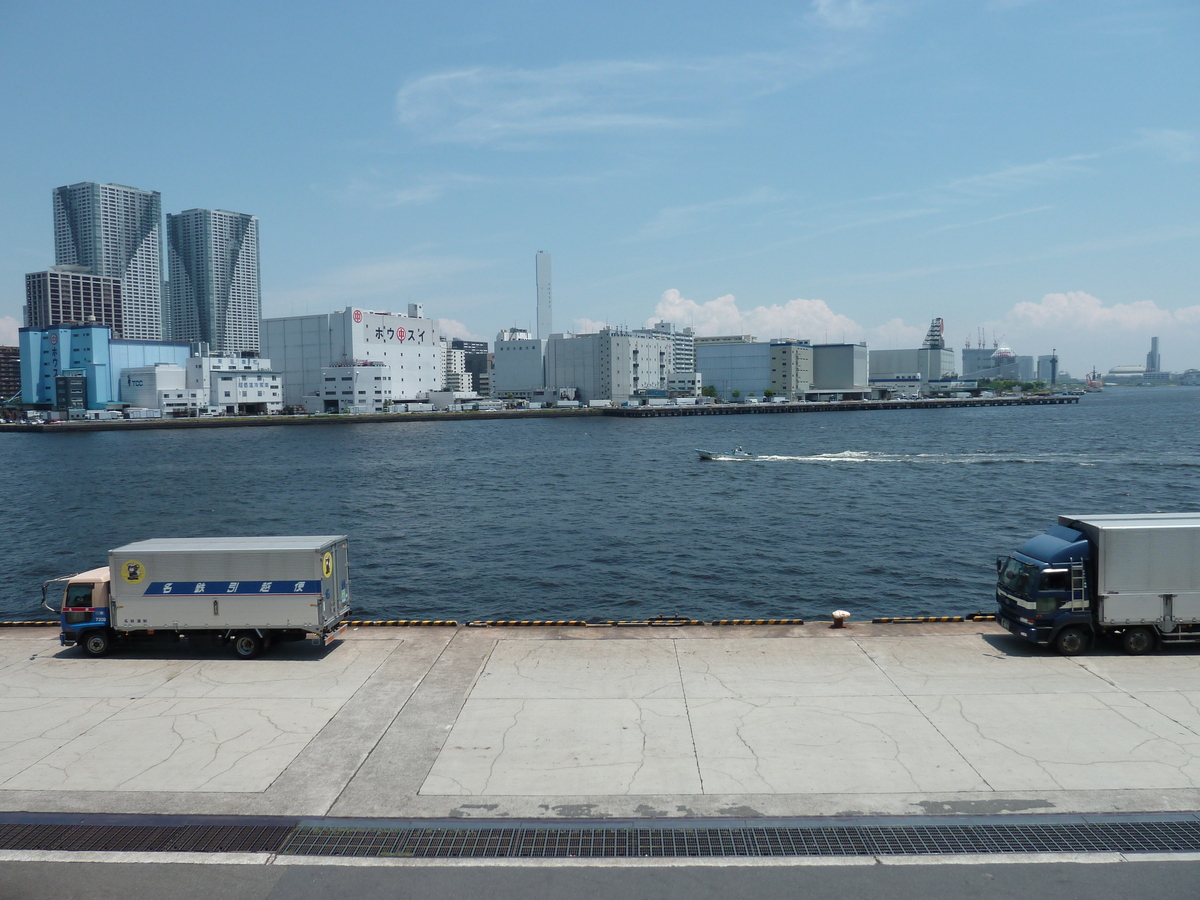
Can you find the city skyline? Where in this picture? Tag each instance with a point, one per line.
(825, 171)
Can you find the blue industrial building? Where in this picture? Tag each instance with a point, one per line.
(90, 351)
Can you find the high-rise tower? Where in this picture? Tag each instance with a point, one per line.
(545, 312)
(1153, 360)
(114, 230)
(213, 294)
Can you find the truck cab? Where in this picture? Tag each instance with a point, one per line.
(85, 610)
(1042, 590)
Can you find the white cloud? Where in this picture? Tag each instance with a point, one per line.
(845, 14)
(1083, 311)
(588, 326)
(674, 221)
(515, 107)
(1178, 146)
(452, 328)
(811, 319)
(1087, 332)
(1021, 177)
(896, 334)
(8, 331)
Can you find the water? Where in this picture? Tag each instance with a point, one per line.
(881, 513)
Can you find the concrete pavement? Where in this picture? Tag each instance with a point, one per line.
(595, 722)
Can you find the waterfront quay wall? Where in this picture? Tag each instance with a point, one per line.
(635, 412)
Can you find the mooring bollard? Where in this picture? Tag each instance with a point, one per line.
(839, 618)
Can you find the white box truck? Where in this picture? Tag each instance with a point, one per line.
(1134, 577)
(248, 591)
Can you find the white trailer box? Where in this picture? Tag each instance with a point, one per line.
(263, 583)
(1147, 567)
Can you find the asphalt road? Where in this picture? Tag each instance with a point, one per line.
(985, 881)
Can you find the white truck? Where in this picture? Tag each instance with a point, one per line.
(1132, 577)
(247, 591)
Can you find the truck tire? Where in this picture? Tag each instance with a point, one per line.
(247, 644)
(97, 643)
(1138, 641)
(1071, 641)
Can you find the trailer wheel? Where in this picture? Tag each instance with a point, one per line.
(247, 644)
(1071, 641)
(1138, 641)
(97, 643)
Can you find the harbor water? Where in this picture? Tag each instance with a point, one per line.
(889, 513)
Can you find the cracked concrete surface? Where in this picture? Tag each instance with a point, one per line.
(551, 722)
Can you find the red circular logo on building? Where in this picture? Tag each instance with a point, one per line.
(53, 338)
(400, 333)
(357, 316)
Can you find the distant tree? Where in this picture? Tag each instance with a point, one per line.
(768, 393)
(735, 394)
(708, 391)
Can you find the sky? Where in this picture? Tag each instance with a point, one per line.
(832, 170)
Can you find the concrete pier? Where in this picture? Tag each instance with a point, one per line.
(451, 722)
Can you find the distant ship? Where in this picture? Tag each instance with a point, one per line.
(1092, 382)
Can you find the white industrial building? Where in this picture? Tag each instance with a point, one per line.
(840, 372)
(302, 347)
(739, 367)
(208, 385)
(518, 365)
(683, 344)
(349, 388)
(612, 364)
(912, 371)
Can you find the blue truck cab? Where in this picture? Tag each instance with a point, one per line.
(1042, 590)
(84, 609)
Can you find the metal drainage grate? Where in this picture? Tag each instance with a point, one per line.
(146, 838)
(919, 840)
(614, 842)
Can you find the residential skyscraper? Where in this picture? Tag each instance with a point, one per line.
(114, 230)
(544, 309)
(213, 294)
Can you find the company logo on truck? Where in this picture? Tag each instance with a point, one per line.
(133, 571)
(327, 564)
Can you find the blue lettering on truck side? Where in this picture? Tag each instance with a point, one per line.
(209, 588)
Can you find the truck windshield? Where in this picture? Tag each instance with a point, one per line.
(1016, 576)
(79, 595)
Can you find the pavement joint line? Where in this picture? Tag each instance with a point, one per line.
(392, 721)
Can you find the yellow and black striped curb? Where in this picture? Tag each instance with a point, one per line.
(401, 622)
(908, 620)
(756, 622)
(526, 623)
(25, 624)
(983, 618)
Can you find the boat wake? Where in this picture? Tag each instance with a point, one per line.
(978, 458)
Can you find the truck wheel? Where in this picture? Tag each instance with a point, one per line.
(1138, 641)
(97, 643)
(247, 644)
(1071, 641)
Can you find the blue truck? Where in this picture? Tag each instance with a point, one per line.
(1132, 578)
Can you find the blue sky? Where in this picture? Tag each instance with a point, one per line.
(831, 169)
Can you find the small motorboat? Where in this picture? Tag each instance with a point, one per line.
(735, 453)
